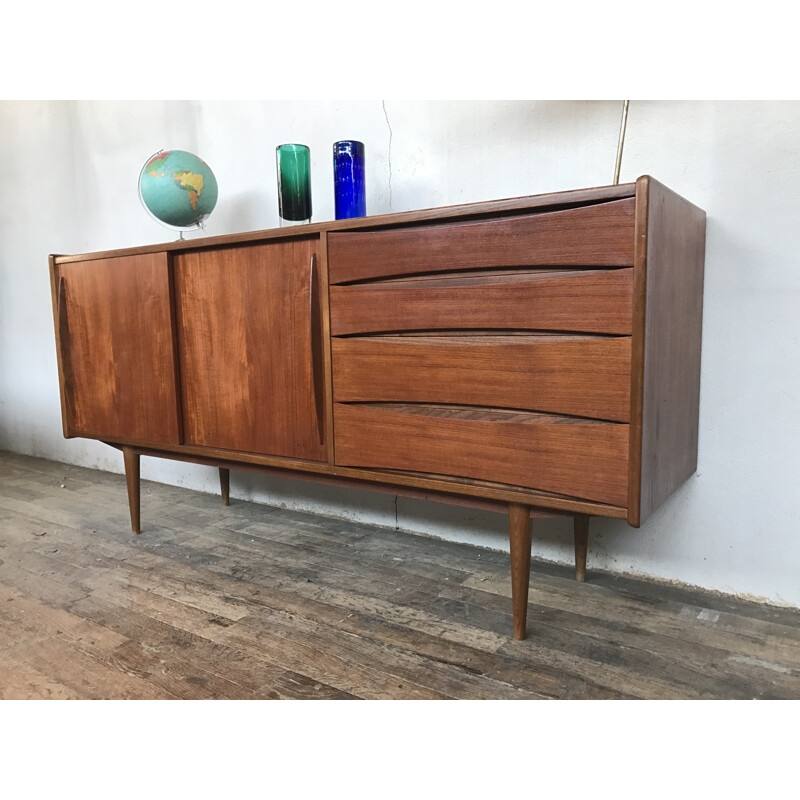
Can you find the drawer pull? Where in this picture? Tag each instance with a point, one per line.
(590, 236)
(315, 344)
(66, 356)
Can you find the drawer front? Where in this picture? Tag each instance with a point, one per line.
(597, 235)
(594, 301)
(586, 376)
(578, 458)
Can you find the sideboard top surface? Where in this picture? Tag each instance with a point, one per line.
(550, 201)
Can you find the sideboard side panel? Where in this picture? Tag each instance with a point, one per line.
(673, 330)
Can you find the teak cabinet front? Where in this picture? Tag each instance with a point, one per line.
(539, 355)
(114, 323)
(246, 349)
(496, 350)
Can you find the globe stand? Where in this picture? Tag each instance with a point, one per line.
(181, 238)
(181, 231)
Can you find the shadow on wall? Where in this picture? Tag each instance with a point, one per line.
(373, 508)
(552, 537)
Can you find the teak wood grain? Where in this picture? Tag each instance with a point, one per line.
(672, 337)
(637, 351)
(245, 345)
(579, 458)
(596, 235)
(317, 361)
(132, 460)
(67, 377)
(551, 201)
(536, 352)
(114, 325)
(325, 330)
(572, 375)
(497, 495)
(593, 301)
(519, 535)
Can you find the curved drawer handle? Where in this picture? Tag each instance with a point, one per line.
(64, 347)
(315, 340)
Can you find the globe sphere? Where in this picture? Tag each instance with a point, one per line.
(178, 188)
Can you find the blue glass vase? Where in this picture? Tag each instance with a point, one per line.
(348, 180)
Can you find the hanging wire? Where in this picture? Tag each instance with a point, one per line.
(622, 125)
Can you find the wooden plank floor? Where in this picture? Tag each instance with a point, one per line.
(254, 602)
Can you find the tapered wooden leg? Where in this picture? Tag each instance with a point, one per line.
(225, 485)
(132, 478)
(519, 529)
(581, 528)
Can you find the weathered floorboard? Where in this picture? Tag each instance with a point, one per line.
(253, 602)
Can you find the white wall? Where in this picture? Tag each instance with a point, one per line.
(68, 185)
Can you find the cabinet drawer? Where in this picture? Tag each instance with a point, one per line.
(580, 458)
(594, 301)
(587, 376)
(596, 235)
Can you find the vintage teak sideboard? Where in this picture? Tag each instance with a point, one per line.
(538, 355)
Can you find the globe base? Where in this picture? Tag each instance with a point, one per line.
(199, 227)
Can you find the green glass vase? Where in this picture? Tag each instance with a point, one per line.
(294, 183)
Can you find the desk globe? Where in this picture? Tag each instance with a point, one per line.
(178, 189)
